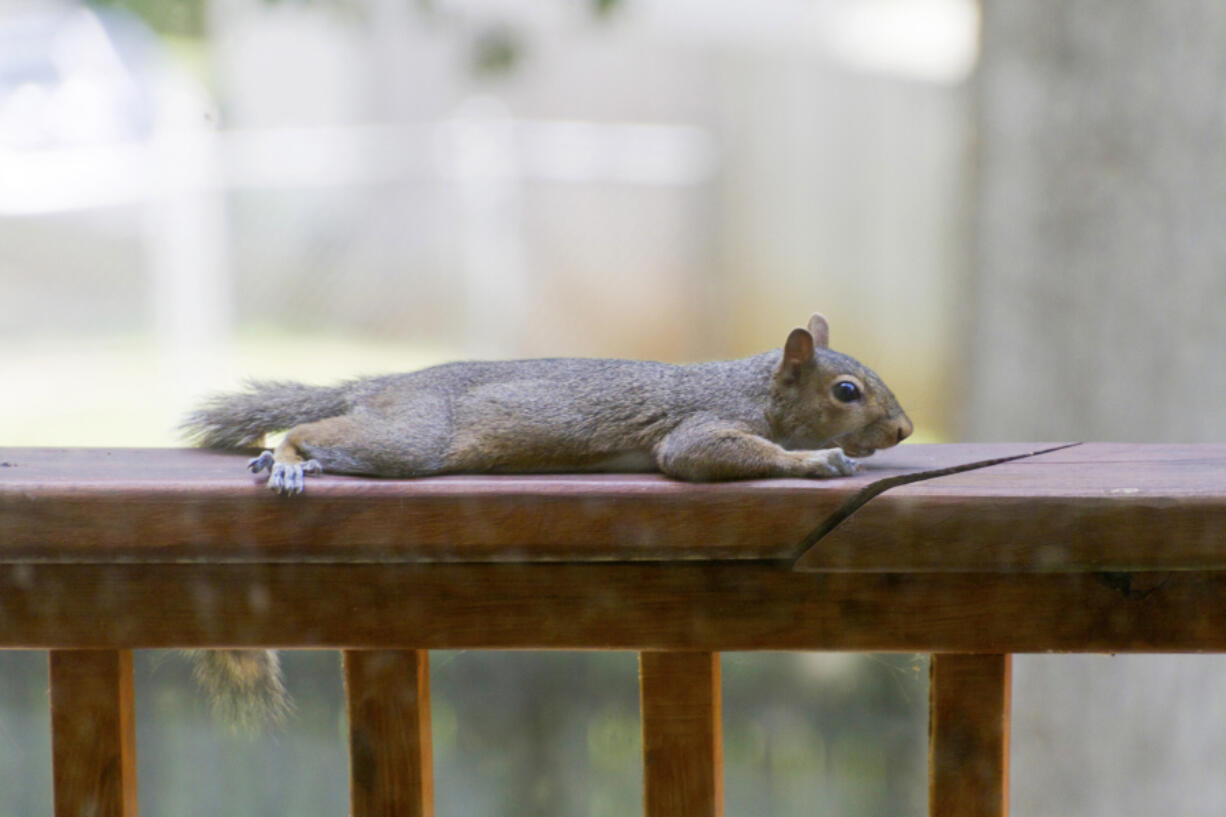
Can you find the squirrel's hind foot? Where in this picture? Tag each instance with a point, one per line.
(261, 463)
(284, 477)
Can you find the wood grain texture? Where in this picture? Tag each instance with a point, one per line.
(391, 765)
(174, 504)
(697, 606)
(969, 736)
(683, 756)
(93, 733)
(1093, 507)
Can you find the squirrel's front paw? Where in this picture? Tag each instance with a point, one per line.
(830, 462)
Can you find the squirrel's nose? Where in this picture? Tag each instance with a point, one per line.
(904, 428)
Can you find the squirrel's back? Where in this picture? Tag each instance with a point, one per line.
(582, 397)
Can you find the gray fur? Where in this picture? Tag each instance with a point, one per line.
(551, 414)
(241, 419)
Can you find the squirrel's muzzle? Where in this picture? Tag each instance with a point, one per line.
(885, 433)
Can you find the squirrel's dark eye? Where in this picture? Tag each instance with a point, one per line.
(846, 392)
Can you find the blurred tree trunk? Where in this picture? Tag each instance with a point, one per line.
(1102, 239)
(1101, 276)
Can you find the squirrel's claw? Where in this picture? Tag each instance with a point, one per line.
(289, 478)
(261, 463)
(284, 478)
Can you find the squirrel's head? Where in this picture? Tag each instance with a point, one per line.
(823, 399)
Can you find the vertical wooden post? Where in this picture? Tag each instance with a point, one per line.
(968, 771)
(391, 758)
(683, 773)
(93, 733)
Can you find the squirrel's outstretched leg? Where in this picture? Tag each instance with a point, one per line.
(713, 450)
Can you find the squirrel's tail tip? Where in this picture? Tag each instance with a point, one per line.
(245, 687)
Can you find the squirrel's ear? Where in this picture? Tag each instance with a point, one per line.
(820, 330)
(798, 351)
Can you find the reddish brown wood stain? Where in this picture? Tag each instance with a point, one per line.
(390, 752)
(168, 504)
(683, 753)
(714, 606)
(1099, 548)
(968, 765)
(93, 733)
(1095, 506)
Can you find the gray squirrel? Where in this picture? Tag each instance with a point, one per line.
(803, 410)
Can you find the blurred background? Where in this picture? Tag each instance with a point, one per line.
(1014, 212)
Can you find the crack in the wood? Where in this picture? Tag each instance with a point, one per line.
(1122, 583)
(868, 492)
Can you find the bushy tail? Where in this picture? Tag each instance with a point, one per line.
(244, 686)
(241, 419)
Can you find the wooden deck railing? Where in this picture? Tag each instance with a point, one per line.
(954, 550)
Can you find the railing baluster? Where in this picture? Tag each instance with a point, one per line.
(391, 766)
(93, 733)
(682, 735)
(969, 736)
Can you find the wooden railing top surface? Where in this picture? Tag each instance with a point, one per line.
(1073, 508)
